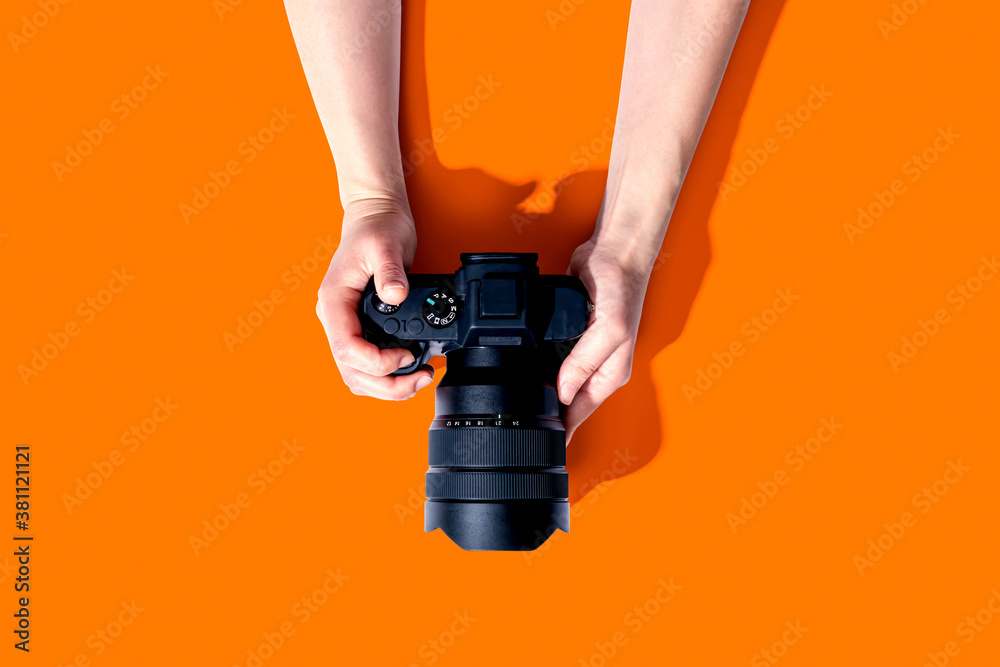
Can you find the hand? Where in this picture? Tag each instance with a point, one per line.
(378, 239)
(601, 361)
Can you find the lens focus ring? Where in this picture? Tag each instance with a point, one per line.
(449, 485)
(472, 447)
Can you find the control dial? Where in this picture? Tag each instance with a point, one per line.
(383, 307)
(441, 308)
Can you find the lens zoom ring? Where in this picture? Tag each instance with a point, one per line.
(466, 447)
(497, 485)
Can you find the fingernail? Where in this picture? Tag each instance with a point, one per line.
(393, 284)
(424, 381)
(407, 360)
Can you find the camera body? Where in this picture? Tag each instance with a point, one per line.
(497, 477)
(493, 300)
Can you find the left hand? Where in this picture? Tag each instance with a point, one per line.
(601, 361)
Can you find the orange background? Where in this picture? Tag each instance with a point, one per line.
(350, 500)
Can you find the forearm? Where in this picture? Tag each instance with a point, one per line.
(353, 73)
(675, 57)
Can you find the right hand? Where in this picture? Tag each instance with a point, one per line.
(378, 239)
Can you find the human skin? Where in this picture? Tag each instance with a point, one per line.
(675, 56)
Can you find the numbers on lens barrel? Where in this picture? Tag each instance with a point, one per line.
(441, 308)
(505, 422)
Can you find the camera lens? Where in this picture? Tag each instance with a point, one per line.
(497, 450)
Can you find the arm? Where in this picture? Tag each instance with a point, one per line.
(353, 73)
(676, 54)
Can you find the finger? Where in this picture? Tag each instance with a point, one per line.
(393, 388)
(598, 387)
(594, 348)
(580, 409)
(390, 277)
(338, 310)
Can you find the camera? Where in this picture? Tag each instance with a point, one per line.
(497, 479)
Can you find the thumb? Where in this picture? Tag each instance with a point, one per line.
(390, 278)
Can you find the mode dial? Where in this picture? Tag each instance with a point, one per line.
(441, 308)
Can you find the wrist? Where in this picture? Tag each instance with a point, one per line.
(361, 205)
(632, 237)
(378, 178)
(638, 202)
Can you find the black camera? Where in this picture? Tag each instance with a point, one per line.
(497, 479)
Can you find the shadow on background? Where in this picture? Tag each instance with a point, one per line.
(468, 210)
